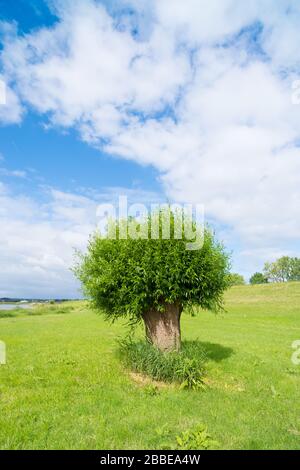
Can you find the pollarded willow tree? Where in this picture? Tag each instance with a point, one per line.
(153, 279)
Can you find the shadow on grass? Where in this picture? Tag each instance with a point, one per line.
(212, 351)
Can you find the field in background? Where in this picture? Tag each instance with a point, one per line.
(63, 386)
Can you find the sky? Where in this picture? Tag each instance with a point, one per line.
(159, 100)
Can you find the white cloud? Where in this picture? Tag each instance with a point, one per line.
(10, 107)
(2, 92)
(84, 69)
(39, 236)
(203, 93)
(204, 22)
(37, 242)
(13, 173)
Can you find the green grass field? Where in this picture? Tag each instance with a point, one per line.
(63, 386)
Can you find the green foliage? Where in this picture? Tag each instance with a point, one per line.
(196, 439)
(258, 278)
(185, 367)
(285, 269)
(295, 269)
(126, 277)
(236, 279)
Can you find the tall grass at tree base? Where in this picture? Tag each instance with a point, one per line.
(186, 367)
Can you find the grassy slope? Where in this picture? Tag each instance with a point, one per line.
(63, 386)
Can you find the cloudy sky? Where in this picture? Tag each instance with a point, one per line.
(162, 100)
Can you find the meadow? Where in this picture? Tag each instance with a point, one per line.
(64, 387)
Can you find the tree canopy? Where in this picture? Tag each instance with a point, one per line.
(126, 277)
(283, 270)
(258, 278)
(236, 279)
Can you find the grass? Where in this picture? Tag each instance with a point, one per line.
(63, 386)
(185, 367)
(42, 309)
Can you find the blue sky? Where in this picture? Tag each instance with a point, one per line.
(190, 104)
(29, 14)
(63, 160)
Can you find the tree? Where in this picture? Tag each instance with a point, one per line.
(152, 280)
(295, 268)
(283, 270)
(236, 279)
(258, 278)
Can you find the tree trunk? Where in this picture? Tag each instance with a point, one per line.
(163, 328)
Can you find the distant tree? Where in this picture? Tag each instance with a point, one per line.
(258, 278)
(152, 280)
(283, 270)
(236, 279)
(295, 268)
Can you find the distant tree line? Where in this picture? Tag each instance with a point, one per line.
(284, 269)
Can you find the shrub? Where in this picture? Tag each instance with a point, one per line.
(258, 278)
(236, 279)
(185, 367)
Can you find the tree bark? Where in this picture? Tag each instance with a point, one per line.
(163, 328)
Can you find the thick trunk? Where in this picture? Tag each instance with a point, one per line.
(163, 328)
